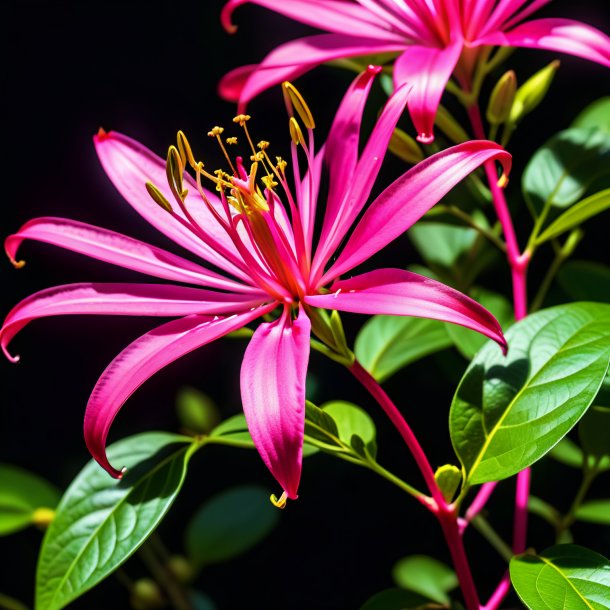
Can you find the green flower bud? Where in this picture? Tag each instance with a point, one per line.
(502, 98)
(532, 92)
(146, 595)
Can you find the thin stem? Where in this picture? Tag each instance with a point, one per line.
(569, 518)
(165, 578)
(484, 528)
(392, 478)
(520, 523)
(8, 603)
(499, 594)
(479, 502)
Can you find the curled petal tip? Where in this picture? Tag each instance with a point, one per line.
(279, 502)
(14, 359)
(503, 346)
(101, 135)
(227, 13)
(372, 69)
(425, 138)
(17, 264)
(121, 473)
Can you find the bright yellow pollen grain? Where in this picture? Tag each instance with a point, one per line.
(215, 131)
(281, 164)
(241, 119)
(259, 156)
(269, 182)
(232, 140)
(263, 145)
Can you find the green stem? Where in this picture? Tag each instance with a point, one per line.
(386, 474)
(488, 532)
(8, 603)
(175, 592)
(589, 475)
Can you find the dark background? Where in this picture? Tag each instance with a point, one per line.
(149, 68)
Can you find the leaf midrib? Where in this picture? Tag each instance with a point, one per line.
(566, 578)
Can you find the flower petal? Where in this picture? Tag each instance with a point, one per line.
(140, 361)
(117, 249)
(290, 60)
(122, 300)
(409, 197)
(273, 395)
(427, 70)
(402, 293)
(130, 165)
(563, 35)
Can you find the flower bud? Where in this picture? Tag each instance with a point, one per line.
(502, 98)
(405, 147)
(146, 595)
(532, 92)
(181, 568)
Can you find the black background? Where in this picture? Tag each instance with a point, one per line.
(149, 68)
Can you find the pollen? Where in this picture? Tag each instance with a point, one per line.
(263, 145)
(269, 182)
(259, 156)
(231, 141)
(242, 119)
(215, 131)
(281, 164)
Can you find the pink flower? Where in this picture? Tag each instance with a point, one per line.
(258, 234)
(434, 39)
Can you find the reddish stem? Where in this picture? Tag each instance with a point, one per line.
(445, 513)
(499, 594)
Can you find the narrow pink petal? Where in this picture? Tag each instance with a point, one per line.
(130, 165)
(339, 219)
(117, 249)
(232, 83)
(121, 300)
(402, 293)
(290, 60)
(310, 187)
(273, 395)
(140, 361)
(563, 35)
(409, 197)
(427, 70)
(329, 15)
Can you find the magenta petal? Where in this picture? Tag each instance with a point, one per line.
(117, 249)
(402, 293)
(140, 361)
(273, 395)
(121, 300)
(232, 83)
(427, 70)
(563, 35)
(409, 197)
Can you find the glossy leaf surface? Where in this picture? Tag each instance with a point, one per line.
(596, 115)
(101, 521)
(594, 511)
(395, 599)
(509, 411)
(564, 576)
(426, 576)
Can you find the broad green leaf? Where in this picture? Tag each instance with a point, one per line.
(320, 425)
(100, 521)
(585, 281)
(509, 411)
(576, 215)
(233, 429)
(565, 576)
(537, 506)
(395, 599)
(229, 524)
(596, 115)
(385, 344)
(594, 432)
(469, 342)
(196, 411)
(566, 166)
(594, 511)
(21, 495)
(568, 453)
(426, 576)
(350, 419)
(441, 244)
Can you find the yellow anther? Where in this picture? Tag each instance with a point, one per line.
(299, 104)
(232, 140)
(295, 132)
(259, 156)
(263, 145)
(503, 181)
(174, 170)
(279, 502)
(158, 197)
(215, 131)
(281, 164)
(269, 182)
(242, 119)
(186, 154)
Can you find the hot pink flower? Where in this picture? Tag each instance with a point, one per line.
(264, 249)
(435, 39)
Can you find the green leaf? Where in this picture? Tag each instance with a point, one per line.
(509, 411)
(565, 167)
(426, 576)
(442, 244)
(543, 509)
(576, 215)
(21, 495)
(594, 432)
(395, 599)
(585, 281)
(350, 419)
(596, 115)
(319, 425)
(100, 521)
(469, 342)
(234, 429)
(385, 344)
(568, 453)
(229, 524)
(196, 411)
(594, 511)
(448, 478)
(564, 576)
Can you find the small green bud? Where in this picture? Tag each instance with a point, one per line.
(42, 517)
(146, 595)
(532, 92)
(448, 479)
(181, 568)
(405, 147)
(502, 98)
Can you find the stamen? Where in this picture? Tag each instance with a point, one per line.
(269, 182)
(295, 132)
(232, 140)
(186, 154)
(263, 145)
(216, 132)
(158, 197)
(279, 502)
(241, 119)
(281, 164)
(299, 104)
(174, 170)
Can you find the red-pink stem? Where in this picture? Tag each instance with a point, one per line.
(445, 513)
(499, 594)
(478, 503)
